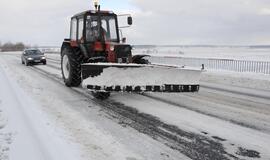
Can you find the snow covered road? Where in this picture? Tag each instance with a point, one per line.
(220, 122)
(22, 127)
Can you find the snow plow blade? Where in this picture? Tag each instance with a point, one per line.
(111, 77)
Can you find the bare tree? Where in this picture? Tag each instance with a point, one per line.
(19, 46)
(13, 47)
(7, 47)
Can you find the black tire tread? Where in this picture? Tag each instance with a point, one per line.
(75, 59)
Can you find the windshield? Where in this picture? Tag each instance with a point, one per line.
(33, 52)
(108, 29)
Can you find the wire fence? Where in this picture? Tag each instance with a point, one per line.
(217, 64)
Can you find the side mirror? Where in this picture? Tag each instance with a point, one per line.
(129, 20)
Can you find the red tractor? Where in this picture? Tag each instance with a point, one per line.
(95, 55)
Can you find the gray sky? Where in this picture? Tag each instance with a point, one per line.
(228, 22)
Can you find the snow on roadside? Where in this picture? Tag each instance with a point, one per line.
(248, 80)
(5, 136)
(24, 131)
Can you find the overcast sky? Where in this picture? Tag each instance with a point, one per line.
(221, 22)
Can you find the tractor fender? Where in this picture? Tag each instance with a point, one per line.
(68, 44)
(65, 44)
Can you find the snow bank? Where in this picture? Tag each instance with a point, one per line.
(144, 75)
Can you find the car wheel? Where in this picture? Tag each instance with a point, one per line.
(44, 63)
(26, 63)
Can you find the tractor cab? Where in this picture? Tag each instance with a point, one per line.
(93, 26)
(104, 30)
(96, 33)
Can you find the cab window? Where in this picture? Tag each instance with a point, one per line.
(80, 29)
(73, 29)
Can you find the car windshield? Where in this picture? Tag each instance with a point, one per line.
(108, 26)
(33, 52)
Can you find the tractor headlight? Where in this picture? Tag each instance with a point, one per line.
(29, 58)
(112, 48)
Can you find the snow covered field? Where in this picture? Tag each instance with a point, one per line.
(236, 53)
(228, 119)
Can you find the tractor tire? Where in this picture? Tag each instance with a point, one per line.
(71, 67)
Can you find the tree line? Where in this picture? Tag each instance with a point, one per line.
(9, 46)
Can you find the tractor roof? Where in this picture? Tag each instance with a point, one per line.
(92, 12)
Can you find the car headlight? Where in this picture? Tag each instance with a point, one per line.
(30, 59)
(43, 57)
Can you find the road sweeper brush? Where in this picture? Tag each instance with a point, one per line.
(95, 56)
(139, 78)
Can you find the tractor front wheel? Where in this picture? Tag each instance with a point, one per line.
(71, 68)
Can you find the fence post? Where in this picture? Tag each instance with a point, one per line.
(268, 68)
(264, 66)
(253, 66)
(260, 67)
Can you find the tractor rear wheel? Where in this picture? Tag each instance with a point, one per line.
(71, 67)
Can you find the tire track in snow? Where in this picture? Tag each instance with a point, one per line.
(201, 112)
(238, 92)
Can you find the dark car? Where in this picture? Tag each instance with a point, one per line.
(33, 56)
